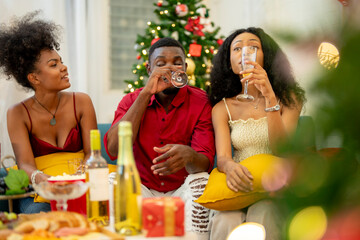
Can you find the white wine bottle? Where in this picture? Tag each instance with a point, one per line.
(97, 172)
(127, 186)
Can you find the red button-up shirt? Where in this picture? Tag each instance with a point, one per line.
(187, 122)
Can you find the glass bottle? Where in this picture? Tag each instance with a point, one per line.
(97, 172)
(127, 186)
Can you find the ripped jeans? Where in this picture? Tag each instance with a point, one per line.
(196, 216)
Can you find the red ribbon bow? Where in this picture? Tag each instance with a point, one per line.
(194, 26)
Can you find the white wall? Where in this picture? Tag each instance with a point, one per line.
(10, 92)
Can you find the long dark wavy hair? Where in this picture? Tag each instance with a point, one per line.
(225, 83)
(21, 44)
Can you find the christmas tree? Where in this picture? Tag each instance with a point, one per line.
(188, 22)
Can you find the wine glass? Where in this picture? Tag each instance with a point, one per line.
(179, 79)
(61, 192)
(248, 53)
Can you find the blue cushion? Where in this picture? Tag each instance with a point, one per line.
(305, 132)
(104, 127)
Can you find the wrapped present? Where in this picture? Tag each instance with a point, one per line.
(163, 216)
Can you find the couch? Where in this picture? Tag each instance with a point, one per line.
(305, 124)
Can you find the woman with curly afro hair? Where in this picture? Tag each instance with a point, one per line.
(52, 120)
(254, 127)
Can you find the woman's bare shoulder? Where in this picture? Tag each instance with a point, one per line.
(19, 108)
(218, 106)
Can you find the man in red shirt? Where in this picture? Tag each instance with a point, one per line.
(172, 133)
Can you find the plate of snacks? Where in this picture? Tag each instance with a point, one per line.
(56, 225)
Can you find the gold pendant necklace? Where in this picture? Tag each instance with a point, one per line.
(53, 120)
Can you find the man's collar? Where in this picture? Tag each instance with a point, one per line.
(180, 96)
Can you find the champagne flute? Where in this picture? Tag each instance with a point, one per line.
(248, 53)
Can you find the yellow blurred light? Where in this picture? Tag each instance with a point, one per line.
(149, 23)
(141, 78)
(153, 31)
(192, 12)
(166, 11)
(161, 12)
(188, 55)
(158, 28)
(142, 43)
(215, 51)
(207, 50)
(132, 90)
(203, 65)
(173, 25)
(144, 52)
(136, 82)
(134, 71)
(328, 55)
(138, 66)
(129, 85)
(207, 83)
(248, 231)
(308, 224)
(212, 47)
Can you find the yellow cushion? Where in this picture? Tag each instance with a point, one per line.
(56, 164)
(218, 196)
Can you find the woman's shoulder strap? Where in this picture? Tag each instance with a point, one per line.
(227, 109)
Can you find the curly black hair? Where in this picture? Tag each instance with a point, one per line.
(225, 83)
(21, 44)
(165, 42)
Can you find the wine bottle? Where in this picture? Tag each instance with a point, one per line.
(127, 186)
(97, 172)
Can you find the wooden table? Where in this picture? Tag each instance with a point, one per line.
(17, 196)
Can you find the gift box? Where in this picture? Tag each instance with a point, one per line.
(163, 216)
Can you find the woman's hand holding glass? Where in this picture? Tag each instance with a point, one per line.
(257, 76)
(238, 177)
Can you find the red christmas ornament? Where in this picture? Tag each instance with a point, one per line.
(181, 10)
(220, 41)
(138, 57)
(154, 40)
(195, 49)
(160, 3)
(194, 26)
(344, 2)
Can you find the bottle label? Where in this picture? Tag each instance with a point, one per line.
(99, 189)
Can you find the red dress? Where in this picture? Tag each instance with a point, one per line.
(73, 141)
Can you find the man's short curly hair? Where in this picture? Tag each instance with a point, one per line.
(225, 83)
(165, 42)
(21, 43)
